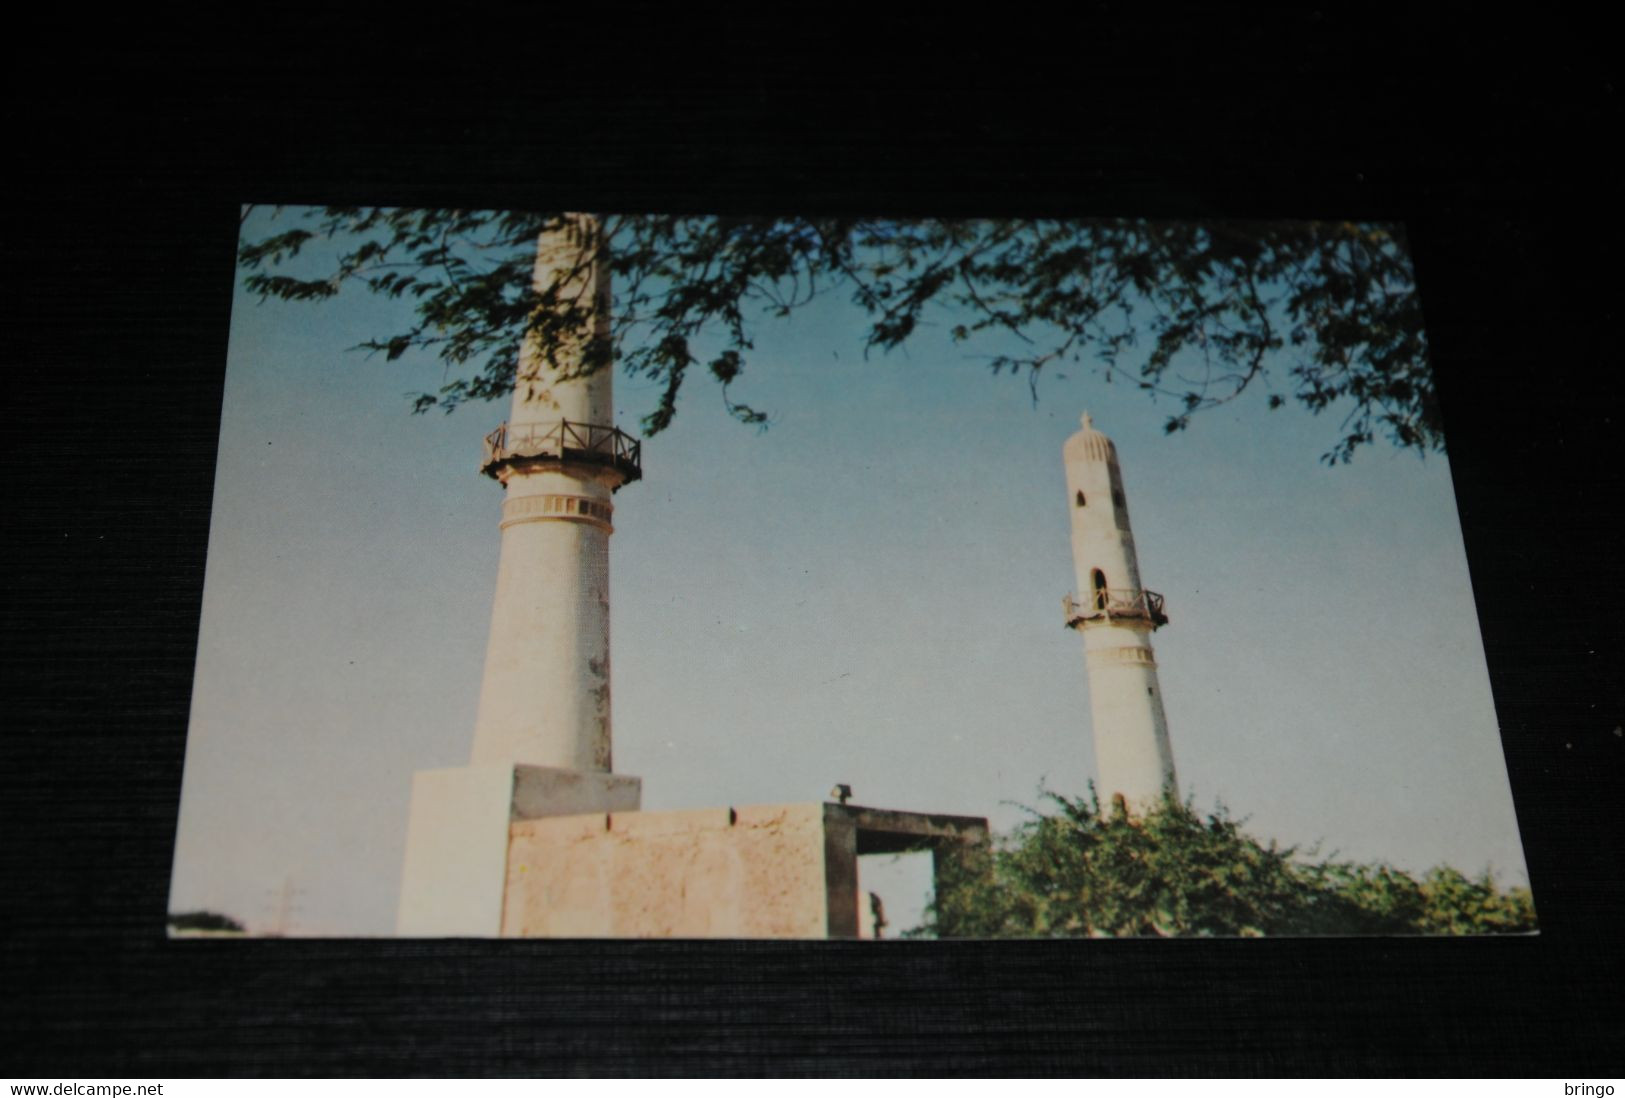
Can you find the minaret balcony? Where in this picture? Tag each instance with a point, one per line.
(566, 443)
(1113, 604)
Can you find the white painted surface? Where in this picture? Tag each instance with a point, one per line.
(545, 691)
(545, 694)
(458, 831)
(456, 853)
(547, 791)
(1133, 755)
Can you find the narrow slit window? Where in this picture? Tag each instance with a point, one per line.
(1080, 497)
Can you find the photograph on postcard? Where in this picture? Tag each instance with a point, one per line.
(886, 657)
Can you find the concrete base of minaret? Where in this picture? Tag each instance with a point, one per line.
(457, 837)
(758, 871)
(496, 851)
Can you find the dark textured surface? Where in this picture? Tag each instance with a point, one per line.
(131, 155)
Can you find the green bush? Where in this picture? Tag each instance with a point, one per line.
(1168, 872)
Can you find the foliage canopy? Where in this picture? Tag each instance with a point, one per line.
(1170, 872)
(1322, 313)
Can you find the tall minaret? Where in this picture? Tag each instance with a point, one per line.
(544, 700)
(1117, 617)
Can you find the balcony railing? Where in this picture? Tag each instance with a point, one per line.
(564, 441)
(1113, 604)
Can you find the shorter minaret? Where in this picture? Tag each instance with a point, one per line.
(1116, 616)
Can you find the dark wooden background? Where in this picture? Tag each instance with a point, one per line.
(131, 148)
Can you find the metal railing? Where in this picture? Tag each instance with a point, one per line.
(1109, 603)
(594, 443)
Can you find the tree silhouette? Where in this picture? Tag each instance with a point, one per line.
(1324, 314)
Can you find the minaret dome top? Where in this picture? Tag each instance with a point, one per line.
(1090, 444)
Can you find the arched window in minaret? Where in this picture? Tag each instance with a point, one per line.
(1099, 579)
(1080, 497)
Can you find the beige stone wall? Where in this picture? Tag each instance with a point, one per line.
(457, 833)
(753, 872)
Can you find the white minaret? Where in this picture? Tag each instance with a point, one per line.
(544, 700)
(542, 735)
(1117, 617)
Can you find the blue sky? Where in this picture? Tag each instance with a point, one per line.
(866, 592)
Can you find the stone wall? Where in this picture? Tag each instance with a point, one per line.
(751, 872)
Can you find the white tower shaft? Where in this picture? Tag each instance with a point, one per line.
(1133, 755)
(545, 696)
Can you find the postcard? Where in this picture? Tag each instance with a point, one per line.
(638, 576)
